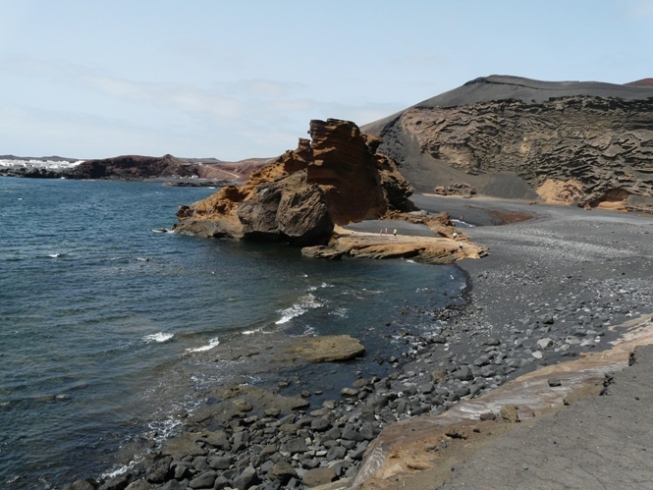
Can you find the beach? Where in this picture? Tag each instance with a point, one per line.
(556, 287)
(565, 278)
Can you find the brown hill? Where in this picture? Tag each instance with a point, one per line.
(585, 142)
(644, 82)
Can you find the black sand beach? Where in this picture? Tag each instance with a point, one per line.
(552, 288)
(550, 291)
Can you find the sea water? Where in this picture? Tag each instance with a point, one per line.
(108, 324)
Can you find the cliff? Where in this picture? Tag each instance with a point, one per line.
(335, 178)
(585, 142)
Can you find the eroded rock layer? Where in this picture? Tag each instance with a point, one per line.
(593, 146)
(335, 178)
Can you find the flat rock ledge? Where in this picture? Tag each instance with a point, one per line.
(325, 349)
(430, 250)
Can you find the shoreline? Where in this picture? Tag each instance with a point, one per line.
(434, 372)
(601, 271)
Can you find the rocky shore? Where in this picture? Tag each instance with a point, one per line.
(552, 289)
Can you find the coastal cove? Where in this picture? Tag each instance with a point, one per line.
(112, 329)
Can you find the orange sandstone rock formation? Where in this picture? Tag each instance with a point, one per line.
(335, 178)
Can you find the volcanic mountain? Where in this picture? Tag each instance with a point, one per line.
(510, 137)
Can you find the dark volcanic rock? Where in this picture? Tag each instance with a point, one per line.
(588, 143)
(290, 209)
(134, 167)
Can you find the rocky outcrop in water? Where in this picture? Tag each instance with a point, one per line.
(588, 143)
(333, 179)
(129, 167)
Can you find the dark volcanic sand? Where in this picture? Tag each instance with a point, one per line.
(567, 274)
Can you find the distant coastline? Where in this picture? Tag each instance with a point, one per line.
(187, 172)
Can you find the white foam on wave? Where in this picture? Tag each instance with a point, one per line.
(339, 312)
(122, 469)
(463, 223)
(55, 256)
(214, 342)
(165, 428)
(304, 304)
(158, 337)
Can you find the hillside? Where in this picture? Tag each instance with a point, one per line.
(584, 142)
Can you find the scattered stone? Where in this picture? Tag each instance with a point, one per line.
(488, 416)
(545, 343)
(282, 471)
(246, 479)
(203, 480)
(318, 476)
(158, 472)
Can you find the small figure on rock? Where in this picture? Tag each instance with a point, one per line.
(395, 232)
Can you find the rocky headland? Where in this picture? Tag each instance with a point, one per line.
(307, 195)
(586, 143)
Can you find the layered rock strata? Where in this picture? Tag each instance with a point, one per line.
(594, 147)
(335, 178)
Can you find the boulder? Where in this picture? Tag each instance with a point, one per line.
(318, 476)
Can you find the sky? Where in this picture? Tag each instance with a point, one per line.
(242, 78)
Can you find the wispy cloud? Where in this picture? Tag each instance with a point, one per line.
(185, 98)
(228, 120)
(643, 8)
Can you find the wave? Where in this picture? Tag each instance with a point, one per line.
(158, 337)
(339, 312)
(214, 342)
(305, 303)
(55, 255)
(463, 223)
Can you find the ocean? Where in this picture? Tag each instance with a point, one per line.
(111, 328)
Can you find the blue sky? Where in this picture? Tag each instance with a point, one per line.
(238, 79)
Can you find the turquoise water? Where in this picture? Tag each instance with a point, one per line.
(107, 326)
